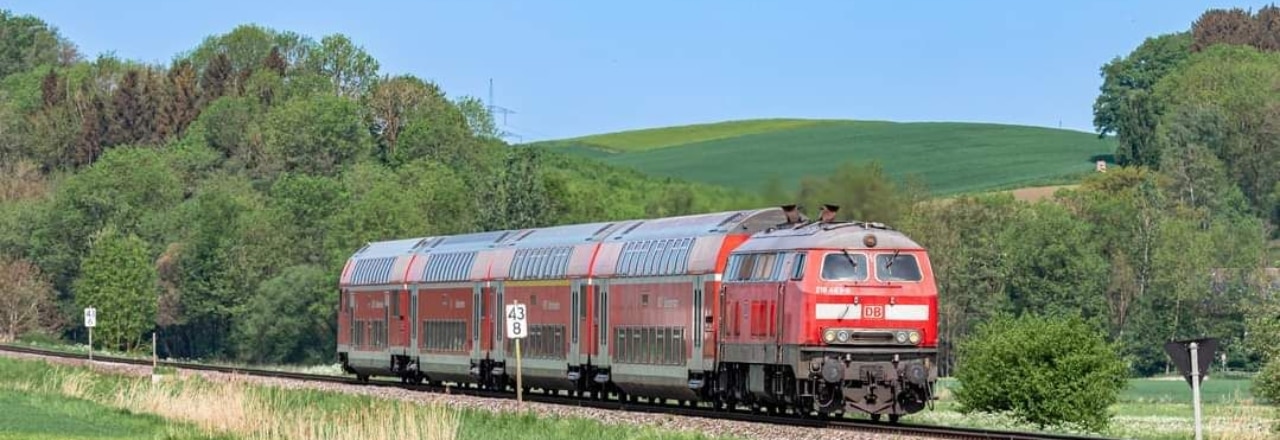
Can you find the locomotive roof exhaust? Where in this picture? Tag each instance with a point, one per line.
(794, 216)
(828, 213)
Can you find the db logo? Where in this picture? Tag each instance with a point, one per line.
(872, 312)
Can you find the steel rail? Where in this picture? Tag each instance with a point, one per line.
(931, 431)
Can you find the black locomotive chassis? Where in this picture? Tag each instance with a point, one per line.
(830, 379)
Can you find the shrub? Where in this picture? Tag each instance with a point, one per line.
(1266, 384)
(1043, 370)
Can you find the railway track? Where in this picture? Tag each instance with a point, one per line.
(864, 426)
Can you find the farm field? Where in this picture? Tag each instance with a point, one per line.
(953, 158)
(1156, 409)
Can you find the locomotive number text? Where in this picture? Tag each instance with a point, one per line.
(872, 312)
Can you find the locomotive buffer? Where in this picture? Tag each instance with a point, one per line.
(1193, 357)
(517, 329)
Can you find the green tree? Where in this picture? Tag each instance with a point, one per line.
(1125, 106)
(27, 42)
(1235, 82)
(419, 199)
(350, 70)
(1044, 370)
(393, 101)
(214, 266)
(119, 280)
(1197, 177)
(435, 129)
(864, 192)
(305, 334)
(318, 135)
(1054, 264)
(478, 117)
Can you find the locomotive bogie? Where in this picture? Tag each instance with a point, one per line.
(892, 382)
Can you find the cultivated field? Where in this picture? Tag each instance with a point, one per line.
(1158, 408)
(951, 157)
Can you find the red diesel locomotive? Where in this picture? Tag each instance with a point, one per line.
(755, 308)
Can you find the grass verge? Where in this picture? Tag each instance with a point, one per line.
(192, 407)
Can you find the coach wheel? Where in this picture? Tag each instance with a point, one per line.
(893, 418)
(875, 417)
(363, 378)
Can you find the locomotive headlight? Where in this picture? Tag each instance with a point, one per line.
(829, 336)
(914, 337)
(901, 337)
(843, 336)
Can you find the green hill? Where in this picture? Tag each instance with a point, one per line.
(952, 157)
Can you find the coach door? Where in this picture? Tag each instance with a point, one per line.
(698, 331)
(413, 320)
(388, 301)
(477, 321)
(577, 318)
(499, 349)
(601, 329)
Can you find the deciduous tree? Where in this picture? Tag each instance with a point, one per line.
(26, 299)
(118, 278)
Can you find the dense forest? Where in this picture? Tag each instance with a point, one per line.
(202, 198)
(199, 198)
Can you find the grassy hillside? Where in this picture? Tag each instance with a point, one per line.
(951, 157)
(655, 138)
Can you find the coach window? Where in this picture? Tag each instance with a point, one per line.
(897, 267)
(836, 266)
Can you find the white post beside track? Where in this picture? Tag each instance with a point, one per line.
(1195, 386)
(517, 329)
(90, 321)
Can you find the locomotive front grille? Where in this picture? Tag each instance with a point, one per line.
(871, 337)
(862, 336)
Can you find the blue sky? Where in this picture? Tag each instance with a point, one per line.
(570, 68)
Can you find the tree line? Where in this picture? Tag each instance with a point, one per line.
(215, 199)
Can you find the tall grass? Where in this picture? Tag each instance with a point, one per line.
(245, 411)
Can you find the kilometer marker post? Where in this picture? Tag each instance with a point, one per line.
(517, 329)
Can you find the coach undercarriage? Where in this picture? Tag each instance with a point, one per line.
(830, 383)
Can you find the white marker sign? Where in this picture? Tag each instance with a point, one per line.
(517, 325)
(90, 317)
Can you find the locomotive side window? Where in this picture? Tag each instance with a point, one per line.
(899, 267)
(754, 267)
(797, 272)
(837, 266)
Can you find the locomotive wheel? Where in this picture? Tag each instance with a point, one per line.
(893, 418)
(875, 417)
